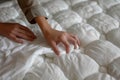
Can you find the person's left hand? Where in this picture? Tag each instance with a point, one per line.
(54, 37)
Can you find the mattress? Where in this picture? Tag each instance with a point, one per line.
(95, 22)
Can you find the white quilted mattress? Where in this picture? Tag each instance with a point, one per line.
(95, 22)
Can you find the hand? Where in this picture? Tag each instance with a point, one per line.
(16, 32)
(54, 37)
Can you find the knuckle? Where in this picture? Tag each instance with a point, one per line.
(10, 34)
(12, 31)
(74, 41)
(16, 27)
(67, 45)
(63, 35)
(75, 36)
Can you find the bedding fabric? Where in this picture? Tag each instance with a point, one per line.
(95, 22)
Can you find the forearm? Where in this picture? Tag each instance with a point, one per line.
(43, 24)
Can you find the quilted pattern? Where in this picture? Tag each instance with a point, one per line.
(95, 22)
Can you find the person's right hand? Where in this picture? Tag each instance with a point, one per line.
(16, 32)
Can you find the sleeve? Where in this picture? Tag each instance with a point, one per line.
(32, 9)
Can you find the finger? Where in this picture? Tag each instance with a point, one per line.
(73, 41)
(23, 36)
(25, 28)
(26, 31)
(29, 34)
(78, 41)
(66, 43)
(20, 33)
(76, 38)
(54, 47)
(14, 38)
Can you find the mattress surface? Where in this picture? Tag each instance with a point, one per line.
(95, 22)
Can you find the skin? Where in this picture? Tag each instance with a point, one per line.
(54, 37)
(17, 33)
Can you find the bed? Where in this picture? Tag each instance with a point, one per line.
(95, 22)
